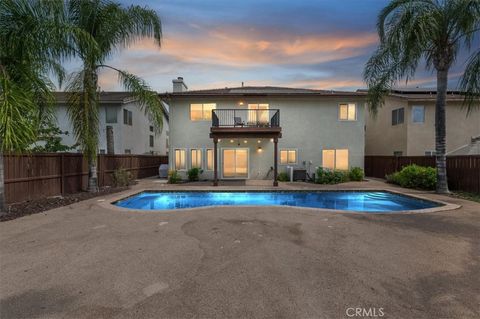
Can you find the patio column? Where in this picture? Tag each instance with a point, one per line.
(215, 162)
(275, 161)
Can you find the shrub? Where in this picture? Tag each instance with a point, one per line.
(356, 174)
(173, 177)
(194, 174)
(283, 177)
(326, 176)
(121, 178)
(414, 176)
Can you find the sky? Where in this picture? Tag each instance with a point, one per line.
(213, 44)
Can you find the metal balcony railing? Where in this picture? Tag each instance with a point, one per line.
(245, 118)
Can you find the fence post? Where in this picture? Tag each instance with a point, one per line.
(62, 174)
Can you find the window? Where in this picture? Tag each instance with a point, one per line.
(180, 159)
(210, 159)
(196, 158)
(151, 128)
(397, 153)
(418, 114)
(151, 141)
(288, 156)
(347, 112)
(110, 114)
(335, 159)
(202, 112)
(102, 151)
(397, 116)
(128, 151)
(127, 117)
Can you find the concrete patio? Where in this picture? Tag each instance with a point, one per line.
(91, 260)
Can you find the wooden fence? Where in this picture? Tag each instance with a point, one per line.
(35, 176)
(463, 171)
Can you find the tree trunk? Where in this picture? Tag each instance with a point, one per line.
(3, 205)
(440, 131)
(92, 175)
(110, 142)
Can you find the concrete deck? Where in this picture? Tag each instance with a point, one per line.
(91, 260)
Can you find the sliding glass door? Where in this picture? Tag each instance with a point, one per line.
(235, 163)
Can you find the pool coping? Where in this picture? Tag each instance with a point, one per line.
(110, 203)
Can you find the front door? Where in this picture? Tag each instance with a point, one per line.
(235, 163)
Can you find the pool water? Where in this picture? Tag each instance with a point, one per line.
(372, 201)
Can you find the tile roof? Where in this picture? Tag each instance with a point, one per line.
(422, 94)
(105, 97)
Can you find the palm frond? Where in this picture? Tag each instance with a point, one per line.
(470, 83)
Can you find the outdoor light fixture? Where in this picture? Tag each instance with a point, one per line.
(271, 140)
(240, 103)
(259, 141)
(231, 141)
(259, 149)
(219, 140)
(245, 141)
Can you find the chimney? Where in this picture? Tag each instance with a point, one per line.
(179, 85)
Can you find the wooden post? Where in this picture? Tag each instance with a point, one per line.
(62, 174)
(215, 162)
(275, 159)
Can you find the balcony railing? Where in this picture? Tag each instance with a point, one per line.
(245, 118)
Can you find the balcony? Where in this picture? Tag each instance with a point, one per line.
(245, 123)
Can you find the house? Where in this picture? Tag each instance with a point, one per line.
(256, 132)
(405, 125)
(124, 127)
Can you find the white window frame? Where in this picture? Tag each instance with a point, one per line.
(203, 119)
(206, 159)
(201, 157)
(347, 120)
(335, 158)
(248, 162)
(175, 158)
(287, 149)
(413, 120)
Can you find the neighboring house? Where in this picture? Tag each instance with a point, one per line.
(241, 128)
(405, 125)
(123, 126)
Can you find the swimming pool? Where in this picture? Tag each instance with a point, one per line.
(370, 201)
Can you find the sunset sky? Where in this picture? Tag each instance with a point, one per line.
(311, 44)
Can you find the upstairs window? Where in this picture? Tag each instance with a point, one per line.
(398, 116)
(347, 112)
(288, 156)
(110, 114)
(127, 117)
(202, 112)
(418, 114)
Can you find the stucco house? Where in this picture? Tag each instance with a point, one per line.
(405, 125)
(124, 128)
(256, 132)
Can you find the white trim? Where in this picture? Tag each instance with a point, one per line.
(347, 120)
(287, 149)
(175, 159)
(248, 162)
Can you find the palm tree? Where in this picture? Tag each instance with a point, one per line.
(113, 27)
(34, 37)
(434, 31)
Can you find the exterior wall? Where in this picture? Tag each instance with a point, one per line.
(460, 128)
(383, 138)
(135, 137)
(309, 124)
(414, 139)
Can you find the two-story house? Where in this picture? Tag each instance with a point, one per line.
(405, 125)
(124, 127)
(255, 132)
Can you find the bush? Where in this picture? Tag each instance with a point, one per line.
(414, 176)
(194, 174)
(356, 174)
(283, 177)
(326, 176)
(173, 177)
(121, 178)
